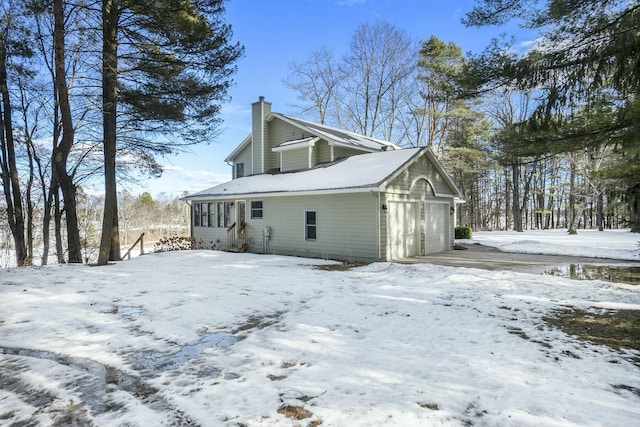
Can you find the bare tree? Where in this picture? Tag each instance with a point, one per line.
(507, 109)
(12, 47)
(316, 81)
(62, 151)
(380, 59)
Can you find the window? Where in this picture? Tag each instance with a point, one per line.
(196, 214)
(224, 214)
(220, 214)
(256, 209)
(239, 170)
(211, 208)
(203, 215)
(310, 225)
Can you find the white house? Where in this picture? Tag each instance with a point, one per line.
(301, 188)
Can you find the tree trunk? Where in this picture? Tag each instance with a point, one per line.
(517, 212)
(633, 196)
(61, 153)
(600, 211)
(507, 211)
(46, 225)
(110, 240)
(573, 228)
(58, 225)
(572, 200)
(8, 168)
(30, 209)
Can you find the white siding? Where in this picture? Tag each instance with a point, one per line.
(279, 132)
(243, 156)
(420, 183)
(295, 159)
(346, 227)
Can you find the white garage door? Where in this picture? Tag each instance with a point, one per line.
(402, 219)
(437, 227)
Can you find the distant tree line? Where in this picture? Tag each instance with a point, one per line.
(156, 217)
(97, 90)
(547, 138)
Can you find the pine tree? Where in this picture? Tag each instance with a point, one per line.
(167, 66)
(585, 70)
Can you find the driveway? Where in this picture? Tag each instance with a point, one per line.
(490, 258)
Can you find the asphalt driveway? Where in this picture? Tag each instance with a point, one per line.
(490, 258)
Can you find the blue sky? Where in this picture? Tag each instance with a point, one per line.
(277, 32)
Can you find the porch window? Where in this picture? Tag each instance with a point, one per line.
(224, 214)
(204, 222)
(211, 208)
(196, 214)
(310, 225)
(256, 209)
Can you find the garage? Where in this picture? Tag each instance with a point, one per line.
(436, 227)
(403, 229)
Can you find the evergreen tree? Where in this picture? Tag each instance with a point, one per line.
(440, 66)
(167, 66)
(585, 70)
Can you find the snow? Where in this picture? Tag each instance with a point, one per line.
(217, 339)
(615, 244)
(355, 172)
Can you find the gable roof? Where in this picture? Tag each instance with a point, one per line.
(352, 174)
(337, 136)
(333, 136)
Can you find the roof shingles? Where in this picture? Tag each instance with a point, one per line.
(364, 171)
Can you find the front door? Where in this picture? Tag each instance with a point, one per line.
(241, 212)
(241, 217)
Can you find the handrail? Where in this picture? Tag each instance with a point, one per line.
(141, 240)
(231, 235)
(242, 237)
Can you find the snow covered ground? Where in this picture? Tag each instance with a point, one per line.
(615, 244)
(216, 339)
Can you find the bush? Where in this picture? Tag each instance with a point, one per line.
(463, 232)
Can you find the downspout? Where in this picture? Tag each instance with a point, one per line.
(378, 213)
(190, 217)
(262, 130)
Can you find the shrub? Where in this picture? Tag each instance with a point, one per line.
(463, 232)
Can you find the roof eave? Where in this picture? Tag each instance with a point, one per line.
(233, 196)
(239, 148)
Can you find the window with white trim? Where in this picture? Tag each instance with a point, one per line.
(196, 214)
(211, 208)
(224, 214)
(239, 170)
(203, 215)
(256, 209)
(310, 225)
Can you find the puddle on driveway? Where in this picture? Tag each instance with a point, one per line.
(161, 362)
(608, 273)
(128, 311)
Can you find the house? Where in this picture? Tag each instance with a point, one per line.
(305, 189)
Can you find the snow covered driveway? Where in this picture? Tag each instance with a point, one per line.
(216, 339)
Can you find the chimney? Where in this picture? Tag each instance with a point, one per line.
(259, 112)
